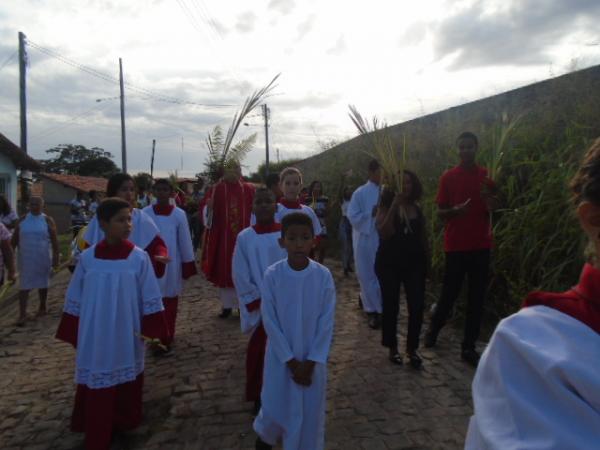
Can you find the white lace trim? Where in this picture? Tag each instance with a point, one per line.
(72, 307)
(153, 305)
(99, 380)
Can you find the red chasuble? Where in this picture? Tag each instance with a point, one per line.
(97, 412)
(232, 207)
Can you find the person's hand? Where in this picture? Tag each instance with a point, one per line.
(162, 259)
(303, 373)
(462, 208)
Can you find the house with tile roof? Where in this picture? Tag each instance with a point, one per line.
(58, 190)
(13, 159)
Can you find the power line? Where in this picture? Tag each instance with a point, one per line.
(51, 130)
(8, 60)
(111, 79)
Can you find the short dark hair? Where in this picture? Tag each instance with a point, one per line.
(115, 182)
(109, 207)
(272, 180)
(468, 135)
(373, 165)
(264, 190)
(296, 218)
(163, 181)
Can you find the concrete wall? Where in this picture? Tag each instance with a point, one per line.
(57, 198)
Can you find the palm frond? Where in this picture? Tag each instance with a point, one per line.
(251, 102)
(239, 151)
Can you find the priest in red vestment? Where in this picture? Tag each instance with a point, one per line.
(230, 208)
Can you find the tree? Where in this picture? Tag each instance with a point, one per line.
(274, 167)
(143, 180)
(79, 160)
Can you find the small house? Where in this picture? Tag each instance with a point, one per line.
(12, 158)
(58, 190)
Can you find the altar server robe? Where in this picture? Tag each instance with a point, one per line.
(112, 299)
(366, 241)
(174, 229)
(286, 207)
(298, 313)
(144, 234)
(537, 385)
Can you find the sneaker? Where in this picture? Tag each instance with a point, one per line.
(470, 356)
(430, 338)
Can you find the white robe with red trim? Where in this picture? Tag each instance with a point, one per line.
(254, 253)
(175, 231)
(283, 211)
(143, 230)
(538, 385)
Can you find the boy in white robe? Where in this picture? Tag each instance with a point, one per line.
(537, 384)
(175, 231)
(361, 214)
(112, 302)
(297, 308)
(256, 249)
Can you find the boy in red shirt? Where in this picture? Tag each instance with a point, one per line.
(465, 198)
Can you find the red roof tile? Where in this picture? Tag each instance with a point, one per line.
(80, 183)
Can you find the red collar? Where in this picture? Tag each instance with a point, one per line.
(291, 204)
(268, 228)
(119, 251)
(589, 284)
(163, 210)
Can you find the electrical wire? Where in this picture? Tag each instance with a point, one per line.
(8, 60)
(51, 130)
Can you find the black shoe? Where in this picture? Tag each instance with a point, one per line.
(470, 356)
(414, 359)
(374, 321)
(260, 445)
(395, 358)
(225, 313)
(430, 338)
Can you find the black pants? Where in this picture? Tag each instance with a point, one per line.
(390, 280)
(474, 264)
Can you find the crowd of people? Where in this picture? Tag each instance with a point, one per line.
(263, 248)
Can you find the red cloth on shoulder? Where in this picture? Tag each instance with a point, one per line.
(117, 251)
(272, 227)
(232, 208)
(99, 412)
(582, 302)
(471, 231)
(291, 204)
(163, 210)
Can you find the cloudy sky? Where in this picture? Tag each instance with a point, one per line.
(186, 61)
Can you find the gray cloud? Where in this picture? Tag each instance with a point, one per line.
(522, 33)
(339, 47)
(282, 6)
(246, 22)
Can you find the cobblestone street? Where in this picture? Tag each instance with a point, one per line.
(194, 397)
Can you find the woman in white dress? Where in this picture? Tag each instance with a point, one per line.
(35, 236)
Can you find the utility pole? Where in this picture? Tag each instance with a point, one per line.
(152, 160)
(266, 117)
(123, 145)
(25, 174)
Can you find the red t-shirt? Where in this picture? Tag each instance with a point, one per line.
(471, 231)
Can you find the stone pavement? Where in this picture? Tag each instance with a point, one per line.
(194, 398)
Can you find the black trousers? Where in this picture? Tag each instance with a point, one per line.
(391, 279)
(475, 265)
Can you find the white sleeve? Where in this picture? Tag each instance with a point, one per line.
(75, 290)
(245, 288)
(315, 220)
(150, 294)
(184, 239)
(276, 338)
(319, 350)
(360, 219)
(537, 385)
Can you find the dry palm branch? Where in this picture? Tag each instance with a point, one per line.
(381, 146)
